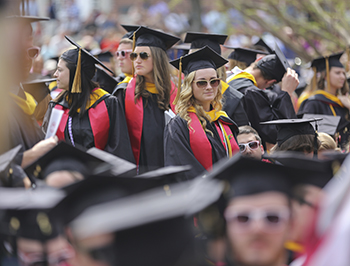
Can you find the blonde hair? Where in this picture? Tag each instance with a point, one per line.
(161, 77)
(327, 142)
(232, 63)
(186, 100)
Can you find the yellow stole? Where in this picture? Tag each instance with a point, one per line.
(151, 87)
(126, 79)
(245, 75)
(224, 86)
(28, 105)
(94, 97)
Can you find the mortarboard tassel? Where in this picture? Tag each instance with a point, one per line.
(327, 73)
(178, 83)
(314, 80)
(133, 49)
(348, 59)
(76, 87)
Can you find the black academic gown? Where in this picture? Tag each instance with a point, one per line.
(118, 142)
(233, 106)
(264, 105)
(320, 104)
(119, 90)
(177, 148)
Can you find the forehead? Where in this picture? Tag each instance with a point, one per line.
(142, 49)
(265, 199)
(205, 73)
(336, 69)
(124, 46)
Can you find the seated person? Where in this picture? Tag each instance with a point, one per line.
(249, 142)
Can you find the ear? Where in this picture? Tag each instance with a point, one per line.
(262, 149)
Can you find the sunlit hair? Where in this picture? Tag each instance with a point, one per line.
(186, 100)
(327, 142)
(222, 73)
(322, 80)
(235, 63)
(126, 41)
(161, 77)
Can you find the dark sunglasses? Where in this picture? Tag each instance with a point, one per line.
(253, 145)
(204, 83)
(122, 53)
(143, 56)
(33, 52)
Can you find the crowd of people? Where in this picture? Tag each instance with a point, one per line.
(157, 150)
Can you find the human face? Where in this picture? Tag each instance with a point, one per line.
(337, 77)
(144, 67)
(246, 138)
(62, 75)
(31, 252)
(125, 63)
(259, 242)
(206, 95)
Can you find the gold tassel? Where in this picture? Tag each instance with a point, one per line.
(348, 60)
(133, 49)
(178, 83)
(76, 88)
(327, 73)
(314, 80)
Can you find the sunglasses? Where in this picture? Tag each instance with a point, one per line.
(272, 219)
(33, 52)
(122, 53)
(204, 83)
(253, 145)
(143, 56)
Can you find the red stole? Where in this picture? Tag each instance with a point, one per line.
(99, 122)
(200, 144)
(134, 116)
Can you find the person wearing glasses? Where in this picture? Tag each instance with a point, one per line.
(148, 95)
(249, 142)
(201, 134)
(124, 62)
(92, 117)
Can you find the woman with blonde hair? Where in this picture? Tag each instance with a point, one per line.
(201, 134)
(148, 96)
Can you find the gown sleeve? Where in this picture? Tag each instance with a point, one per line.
(118, 142)
(177, 149)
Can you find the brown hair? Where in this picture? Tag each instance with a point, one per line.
(249, 130)
(126, 41)
(235, 63)
(300, 143)
(161, 77)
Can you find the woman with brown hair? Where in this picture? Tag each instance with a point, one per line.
(332, 94)
(201, 134)
(148, 96)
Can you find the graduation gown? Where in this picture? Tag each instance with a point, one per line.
(146, 124)
(178, 149)
(119, 90)
(23, 127)
(102, 126)
(233, 105)
(322, 102)
(262, 105)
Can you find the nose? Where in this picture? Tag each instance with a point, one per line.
(55, 74)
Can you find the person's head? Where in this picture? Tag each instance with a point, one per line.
(123, 56)
(258, 225)
(249, 142)
(262, 79)
(299, 143)
(243, 57)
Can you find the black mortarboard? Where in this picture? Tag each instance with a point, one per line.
(168, 174)
(201, 59)
(245, 55)
(274, 65)
(27, 213)
(199, 39)
(262, 45)
(320, 62)
(317, 172)
(287, 128)
(85, 63)
(11, 174)
(145, 36)
(38, 88)
(65, 157)
(104, 56)
(130, 30)
(106, 81)
(119, 165)
(328, 124)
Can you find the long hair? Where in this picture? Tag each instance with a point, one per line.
(322, 80)
(186, 100)
(77, 100)
(161, 77)
(233, 63)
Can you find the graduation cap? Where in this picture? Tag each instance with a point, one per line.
(104, 55)
(65, 157)
(199, 39)
(201, 59)
(328, 124)
(38, 88)
(130, 30)
(245, 55)
(168, 174)
(262, 45)
(106, 81)
(119, 165)
(145, 36)
(274, 65)
(27, 19)
(85, 63)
